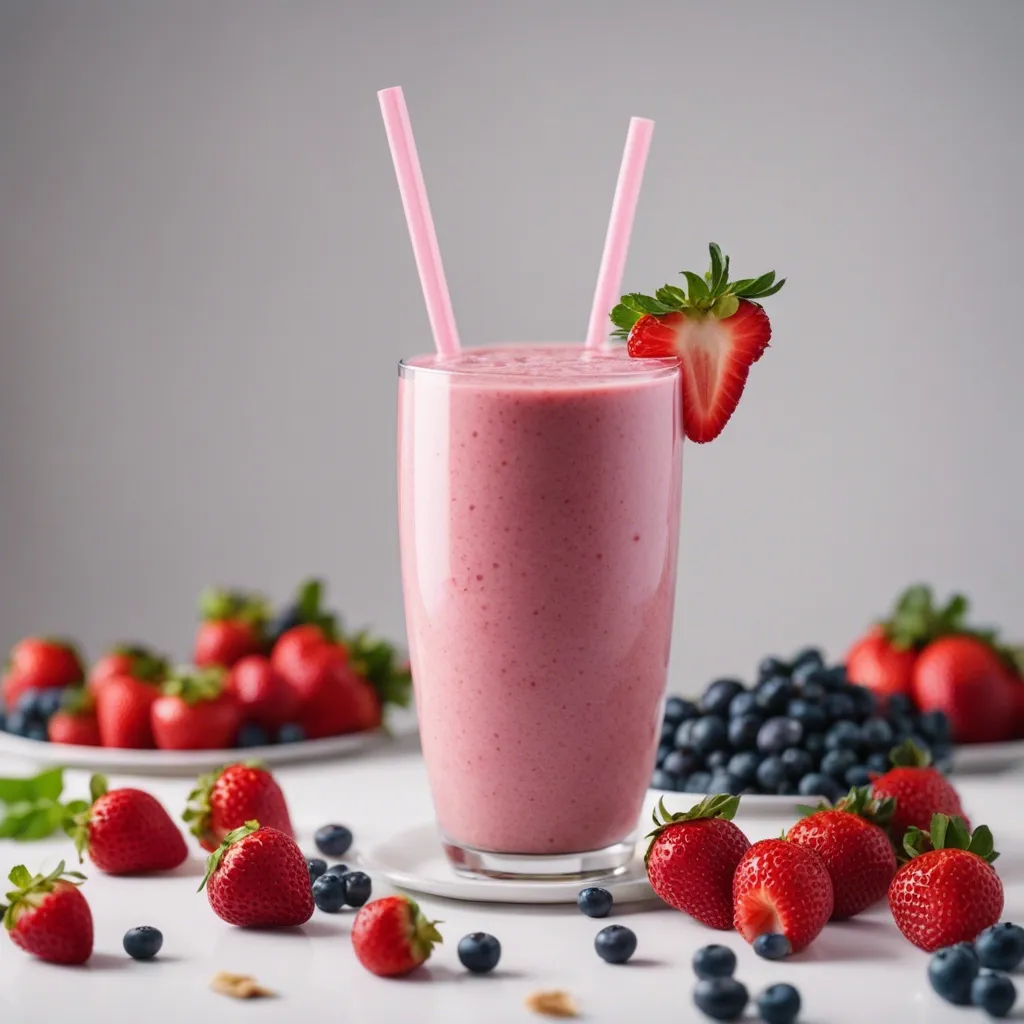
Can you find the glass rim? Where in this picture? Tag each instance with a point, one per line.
(638, 369)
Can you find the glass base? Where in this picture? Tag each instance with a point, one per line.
(558, 867)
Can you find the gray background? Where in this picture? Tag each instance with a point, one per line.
(205, 282)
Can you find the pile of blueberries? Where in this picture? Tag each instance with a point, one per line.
(721, 997)
(34, 710)
(338, 885)
(803, 728)
(976, 973)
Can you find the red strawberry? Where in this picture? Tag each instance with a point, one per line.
(128, 660)
(965, 677)
(36, 663)
(367, 712)
(391, 937)
(226, 799)
(261, 694)
(127, 832)
(233, 625)
(338, 702)
(856, 852)
(48, 916)
(919, 791)
(295, 657)
(873, 661)
(716, 331)
(194, 713)
(950, 893)
(76, 722)
(123, 706)
(782, 888)
(692, 857)
(257, 878)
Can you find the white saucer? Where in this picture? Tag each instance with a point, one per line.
(413, 859)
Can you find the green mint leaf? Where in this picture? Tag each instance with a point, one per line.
(698, 289)
(48, 785)
(13, 791)
(42, 822)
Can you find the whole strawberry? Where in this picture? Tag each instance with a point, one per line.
(75, 723)
(194, 712)
(875, 661)
(948, 892)
(232, 625)
(126, 831)
(391, 937)
(258, 878)
(692, 858)
(338, 701)
(37, 663)
(48, 916)
(226, 799)
(123, 712)
(782, 888)
(918, 789)
(260, 691)
(133, 660)
(855, 850)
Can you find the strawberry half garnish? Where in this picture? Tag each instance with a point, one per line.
(715, 329)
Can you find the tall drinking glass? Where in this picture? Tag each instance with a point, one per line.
(539, 491)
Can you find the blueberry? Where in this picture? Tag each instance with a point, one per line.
(813, 690)
(900, 704)
(616, 943)
(1001, 947)
(717, 697)
(843, 736)
(814, 744)
(994, 993)
(807, 713)
(787, 787)
(662, 779)
(934, 725)
(36, 731)
(808, 656)
(663, 751)
(28, 703)
(744, 703)
(723, 782)
(316, 867)
(839, 706)
(680, 763)
(816, 784)
(291, 732)
(721, 998)
(879, 762)
(808, 671)
(796, 762)
(865, 703)
(329, 893)
(714, 962)
(479, 952)
(772, 666)
(716, 760)
(743, 766)
(333, 840)
(778, 1004)
(876, 734)
(251, 734)
(773, 695)
(710, 733)
(698, 782)
(668, 731)
(771, 773)
(358, 887)
(678, 710)
(3, 721)
(837, 763)
(743, 732)
(49, 702)
(17, 722)
(683, 738)
(338, 869)
(594, 902)
(858, 775)
(778, 733)
(143, 943)
(772, 946)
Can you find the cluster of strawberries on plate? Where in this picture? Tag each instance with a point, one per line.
(253, 679)
(904, 837)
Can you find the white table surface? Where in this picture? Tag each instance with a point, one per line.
(856, 972)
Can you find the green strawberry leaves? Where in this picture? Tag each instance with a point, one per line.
(950, 833)
(213, 861)
(720, 805)
(194, 685)
(28, 888)
(711, 293)
(859, 801)
(218, 605)
(377, 661)
(909, 755)
(32, 809)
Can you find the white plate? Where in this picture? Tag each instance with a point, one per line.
(987, 757)
(192, 762)
(413, 859)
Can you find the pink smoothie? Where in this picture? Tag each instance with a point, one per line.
(539, 497)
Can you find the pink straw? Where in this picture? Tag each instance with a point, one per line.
(616, 242)
(417, 216)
